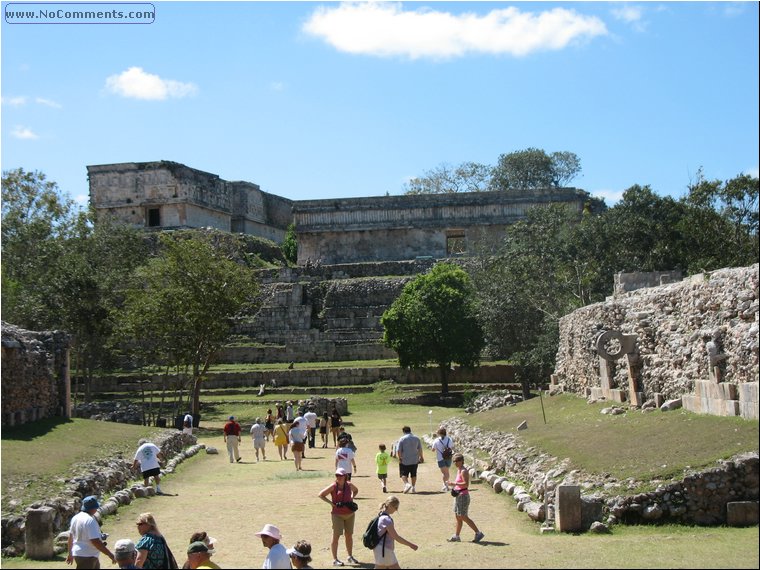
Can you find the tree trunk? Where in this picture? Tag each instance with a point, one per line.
(196, 389)
(444, 378)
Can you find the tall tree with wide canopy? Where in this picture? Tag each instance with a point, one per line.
(532, 169)
(182, 304)
(434, 321)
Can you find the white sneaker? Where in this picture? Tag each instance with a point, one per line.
(158, 490)
(445, 489)
(413, 489)
(407, 487)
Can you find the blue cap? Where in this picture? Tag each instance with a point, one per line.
(89, 503)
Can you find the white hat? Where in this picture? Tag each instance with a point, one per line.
(270, 530)
(123, 547)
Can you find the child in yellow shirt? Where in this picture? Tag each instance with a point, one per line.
(381, 460)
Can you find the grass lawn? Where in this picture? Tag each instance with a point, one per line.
(643, 446)
(37, 457)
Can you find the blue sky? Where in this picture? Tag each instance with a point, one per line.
(325, 100)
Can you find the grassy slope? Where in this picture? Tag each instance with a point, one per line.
(36, 457)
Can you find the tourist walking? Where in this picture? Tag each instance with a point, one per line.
(409, 452)
(268, 424)
(289, 415)
(311, 424)
(342, 494)
(300, 554)
(280, 439)
(187, 424)
(385, 551)
(345, 458)
(152, 550)
(335, 422)
(296, 436)
(232, 439)
(324, 428)
(259, 443)
(85, 539)
(444, 451)
(147, 458)
(278, 554)
(382, 458)
(461, 490)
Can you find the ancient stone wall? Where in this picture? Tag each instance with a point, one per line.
(695, 340)
(404, 227)
(35, 375)
(166, 194)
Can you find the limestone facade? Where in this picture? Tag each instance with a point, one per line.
(35, 375)
(695, 341)
(166, 194)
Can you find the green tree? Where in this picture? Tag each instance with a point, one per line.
(86, 287)
(720, 224)
(532, 168)
(545, 267)
(444, 179)
(36, 219)
(290, 245)
(181, 306)
(434, 321)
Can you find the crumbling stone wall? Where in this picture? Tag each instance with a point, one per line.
(676, 327)
(35, 375)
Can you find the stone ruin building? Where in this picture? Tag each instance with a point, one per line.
(690, 343)
(164, 195)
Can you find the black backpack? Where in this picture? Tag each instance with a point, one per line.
(371, 537)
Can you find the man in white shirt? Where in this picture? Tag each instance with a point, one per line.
(85, 540)
(257, 433)
(187, 424)
(311, 421)
(345, 458)
(147, 458)
(278, 554)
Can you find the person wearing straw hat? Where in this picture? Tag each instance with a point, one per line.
(278, 554)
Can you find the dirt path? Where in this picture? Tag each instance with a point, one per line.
(233, 501)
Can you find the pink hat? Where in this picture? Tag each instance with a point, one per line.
(341, 471)
(270, 530)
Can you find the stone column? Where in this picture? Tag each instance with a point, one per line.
(39, 533)
(567, 511)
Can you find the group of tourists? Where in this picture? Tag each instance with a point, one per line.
(86, 542)
(290, 430)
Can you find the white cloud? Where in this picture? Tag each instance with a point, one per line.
(24, 133)
(14, 101)
(387, 30)
(277, 86)
(754, 171)
(135, 83)
(633, 15)
(611, 197)
(48, 103)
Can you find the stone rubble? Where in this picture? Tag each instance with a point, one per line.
(112, 478)
(531, 478)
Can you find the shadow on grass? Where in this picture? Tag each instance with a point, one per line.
(33, 430)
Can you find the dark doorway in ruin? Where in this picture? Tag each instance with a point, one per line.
(154, 217)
